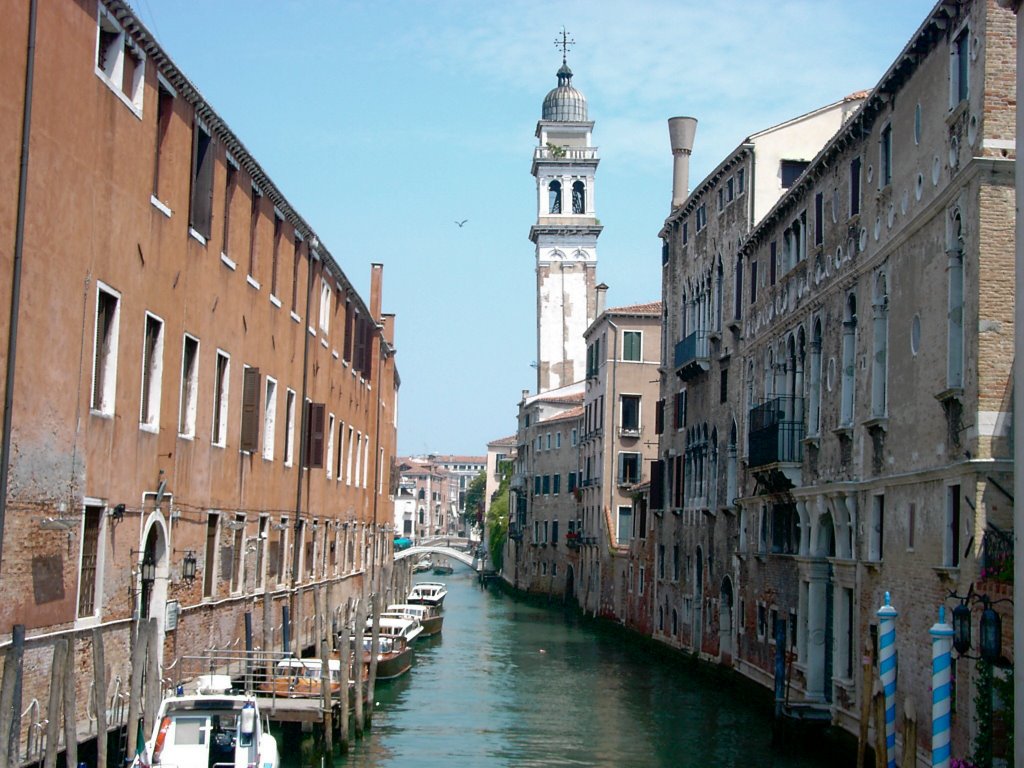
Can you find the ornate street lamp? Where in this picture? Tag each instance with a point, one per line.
(962, 628)
(991, 631)
(188, 567)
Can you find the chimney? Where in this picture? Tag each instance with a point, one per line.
(601, 290)
(680, 133)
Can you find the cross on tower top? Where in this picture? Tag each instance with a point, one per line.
(564, 43)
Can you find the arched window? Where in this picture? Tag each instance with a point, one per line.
(879, 372)
(814, 406)
(579, 197)
(849, 362)
(555, 197)
(955, 315)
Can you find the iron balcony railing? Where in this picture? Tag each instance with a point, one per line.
(691, 349)
(775, 431)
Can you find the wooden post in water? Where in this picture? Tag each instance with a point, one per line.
(878, 707)
(70, 713)
(248, 650)
(99, 693)
(325, 691)
(318, 617)
(138, 659)
(58, 665)
(357, 665)
(154, 685)
(865, 702)
(374, 653)
(10, 699)
(909, 733)
(345, 651)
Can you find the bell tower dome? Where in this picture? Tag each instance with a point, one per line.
(566, 231)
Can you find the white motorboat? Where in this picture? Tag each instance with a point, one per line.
(405, 627)
(430, 616)
(209, 728)
(428, 593)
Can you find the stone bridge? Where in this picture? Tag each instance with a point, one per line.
(443, 546)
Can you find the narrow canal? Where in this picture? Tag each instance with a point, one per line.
(511, 682)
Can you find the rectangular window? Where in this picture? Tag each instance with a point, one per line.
(164, 110)
(120, 63)
(536, 485)
(254, 222)
(556, 484)
(210, 569)
(572, 482)
(220, 398)
(201, 199)
(676, 563)
(885, 157)
(269, 418)
(959, 62)
(351, 450)
(875, 535)
(152, 372)
(773, 257)
(545, 484)
(819, 218)
(911, 523)
(289, 427)
(296, 260)
(325, 306)
(659, 417)
(855, 186)
(951, 539)
(250, 434)
(753, 282)
(341, 451)
(740, 179)
(686, 232)
(104, 366)
(629, 468)
(723, 386)
(275, 253)
(730, 189)
(558, 440)
(230, 185)
(721, 199)
(237, 553)
(625, 527)
(680, 409)
(630, 406)
(632, 346)
(702, 217)
(790, 170)
(189, 387)
(574, 437)
(313, 442)
(89, 566)
(329, 461)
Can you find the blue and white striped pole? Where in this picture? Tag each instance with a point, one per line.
(942, 659)
(887, 669)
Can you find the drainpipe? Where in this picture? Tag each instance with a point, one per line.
(612, 485)
(301, 474)
(375, 298)
(19, 244)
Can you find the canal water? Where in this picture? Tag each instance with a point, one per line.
(516, 682)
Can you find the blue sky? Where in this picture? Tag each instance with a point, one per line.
(383, 123)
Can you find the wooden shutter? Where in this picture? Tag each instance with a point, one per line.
(250, 440)
(659, 417)
(657, 498)
(314, 443)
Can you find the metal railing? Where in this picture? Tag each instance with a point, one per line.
(692, 348)
(776, 429)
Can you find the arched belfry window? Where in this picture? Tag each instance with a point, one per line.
(555, 197)
(579, 197)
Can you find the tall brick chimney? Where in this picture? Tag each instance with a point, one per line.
(681, 131)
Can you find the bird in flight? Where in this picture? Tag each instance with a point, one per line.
(460, 223)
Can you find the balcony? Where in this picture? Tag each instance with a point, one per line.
(776, 428)
(693, 355)
(564, 153)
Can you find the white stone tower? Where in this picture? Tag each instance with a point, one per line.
(565, 235)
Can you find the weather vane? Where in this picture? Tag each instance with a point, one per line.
(564, 43)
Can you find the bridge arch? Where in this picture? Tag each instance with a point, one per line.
(467, 559)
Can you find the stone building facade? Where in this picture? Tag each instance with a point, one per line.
(863, 406)
(196, 379)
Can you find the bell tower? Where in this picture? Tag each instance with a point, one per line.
(565, 234)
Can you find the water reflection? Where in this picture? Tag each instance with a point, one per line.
(515, 683)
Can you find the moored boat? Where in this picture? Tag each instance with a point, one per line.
(428, 593)
(422, 566)
(394, 656)
(443, 567)
(430, 616)
(407, 628)
(300, 678)
(202, 729)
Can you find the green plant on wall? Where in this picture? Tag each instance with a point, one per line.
(497, 518)
(556, 152)
(993, 713)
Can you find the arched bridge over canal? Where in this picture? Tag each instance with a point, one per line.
(444, 547)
